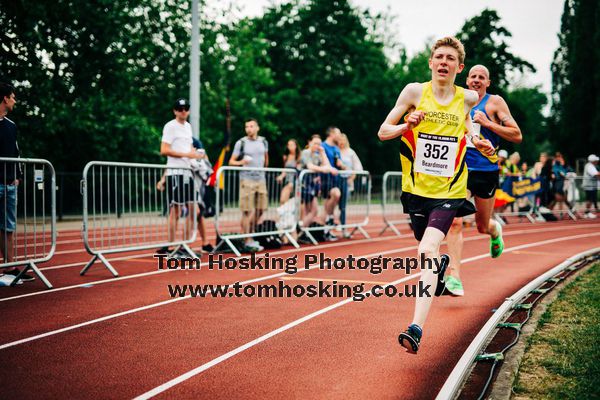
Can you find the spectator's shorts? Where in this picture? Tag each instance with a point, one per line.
(591, 196)
(483, 184)
(328, 182)
(253, 195)
(180, 189)
(310, 188)
(8, 208)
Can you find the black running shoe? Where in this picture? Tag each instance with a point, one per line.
(410, 339)
(24, 277)
(441, 282)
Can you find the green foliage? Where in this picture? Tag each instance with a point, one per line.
(96, 80)
(526, 105)
(485, 43)
(328, 69)
(576, 81)
(561, 358)
(84, 73)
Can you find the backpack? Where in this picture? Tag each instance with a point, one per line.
(208, 198)
(237, 242)
(319, 235)
(272, 241)
(549, 217)
(243, 142)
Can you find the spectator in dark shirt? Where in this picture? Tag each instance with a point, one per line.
(560, 170)
(9, 179)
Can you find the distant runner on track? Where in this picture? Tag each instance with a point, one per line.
(432, 153)
(492, 120)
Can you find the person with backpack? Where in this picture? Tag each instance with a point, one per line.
(251, 151)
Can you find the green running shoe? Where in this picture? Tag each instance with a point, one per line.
(497, 244)
(454, 286)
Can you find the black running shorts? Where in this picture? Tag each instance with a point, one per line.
(180, 189)
(483, 184)
(435, 213)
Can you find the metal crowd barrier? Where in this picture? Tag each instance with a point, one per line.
(352, 210)
(532, 215)
(27, 214)
(278, 216)
(575, 188)
(124, 209)
(533, 206)
(393, 213)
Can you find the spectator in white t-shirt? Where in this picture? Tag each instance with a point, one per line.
(590, 185)
(176, 144)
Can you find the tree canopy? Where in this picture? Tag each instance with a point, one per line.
(576, 81)
(97, 80)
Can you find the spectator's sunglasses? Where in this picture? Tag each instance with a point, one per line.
(182, 108)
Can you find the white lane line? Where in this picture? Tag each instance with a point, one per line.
(234, 352)
(82, 263)
(165, 302)
(250, 281)
(321, 246)
(406, 235)
(143, 274)
(190, 374)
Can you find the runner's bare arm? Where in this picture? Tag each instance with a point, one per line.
(507, 129)
(483, 145)
(471, 99)
(166, 150)
(325, 166)
(408, 98)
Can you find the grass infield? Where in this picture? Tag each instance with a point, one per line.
(562, 358)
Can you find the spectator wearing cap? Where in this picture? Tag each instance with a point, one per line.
(591, 177)
(176, 145)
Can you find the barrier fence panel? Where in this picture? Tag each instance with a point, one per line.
(126, 207)
(27, 214)
(346, 195)
(393, 213)
(254, 203)
(536, 199)
(579, 190)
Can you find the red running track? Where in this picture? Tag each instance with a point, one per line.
(99, 337)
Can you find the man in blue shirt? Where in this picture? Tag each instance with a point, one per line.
(330, 187)
(493, 121)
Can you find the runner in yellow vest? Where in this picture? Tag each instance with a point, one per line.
(434, 174)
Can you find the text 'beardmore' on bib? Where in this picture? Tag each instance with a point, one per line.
(433, 153)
